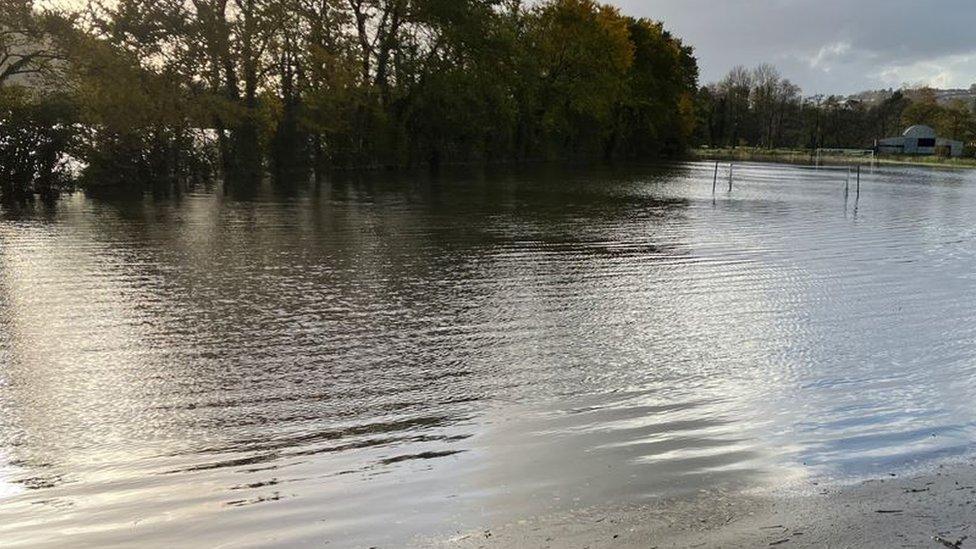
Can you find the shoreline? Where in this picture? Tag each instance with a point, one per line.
(803, 157)
(935, 508)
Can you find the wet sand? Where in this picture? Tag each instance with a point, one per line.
(924, 509)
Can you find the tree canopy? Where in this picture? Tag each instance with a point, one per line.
(162, 89)
(159, 92)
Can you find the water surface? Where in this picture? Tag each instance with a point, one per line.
(364, 362)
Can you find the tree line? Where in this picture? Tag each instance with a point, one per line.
(157, 92)
(140, 93)
(760, 108)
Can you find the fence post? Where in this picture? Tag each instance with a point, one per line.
(731, 167)
(715, 179)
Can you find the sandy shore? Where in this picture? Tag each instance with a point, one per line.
(932, 509)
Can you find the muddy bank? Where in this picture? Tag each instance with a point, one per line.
(932, 509)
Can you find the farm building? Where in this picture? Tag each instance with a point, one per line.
(922, 141)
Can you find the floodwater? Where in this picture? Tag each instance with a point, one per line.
(370, 363)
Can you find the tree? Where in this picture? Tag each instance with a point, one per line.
(584, 53)
(162, 87)
(956, 122)
(736, 87)
(36, 138)
(924, 109)
(29, 42)
(37, 124)
(658, 113)
(889, 113)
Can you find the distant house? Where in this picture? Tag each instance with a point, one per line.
(921, 141)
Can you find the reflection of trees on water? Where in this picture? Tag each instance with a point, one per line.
(339, 300)
(371, 320)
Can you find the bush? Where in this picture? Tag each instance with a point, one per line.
(36, 137)
(144, 157)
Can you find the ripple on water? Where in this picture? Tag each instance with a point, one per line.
(361, 363)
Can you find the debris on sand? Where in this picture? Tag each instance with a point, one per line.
(949, 544)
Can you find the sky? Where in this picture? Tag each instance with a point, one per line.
(828, 46)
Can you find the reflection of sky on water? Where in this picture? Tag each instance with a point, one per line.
(308, 366)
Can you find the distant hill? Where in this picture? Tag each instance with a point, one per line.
(944, 97)
(947, 96)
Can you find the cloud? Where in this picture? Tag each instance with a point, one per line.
(952, 71)
(828, 55)
(827, 46)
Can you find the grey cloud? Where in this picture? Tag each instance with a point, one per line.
(828, 46)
